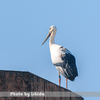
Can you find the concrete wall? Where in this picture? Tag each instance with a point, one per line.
(26, 81)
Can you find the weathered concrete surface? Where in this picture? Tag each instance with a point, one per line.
(26, 81)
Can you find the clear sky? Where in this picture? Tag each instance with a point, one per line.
(24, 25)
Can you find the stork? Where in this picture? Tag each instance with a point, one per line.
(61, 57)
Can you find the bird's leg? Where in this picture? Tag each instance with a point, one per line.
(66, 83)
(59, 79)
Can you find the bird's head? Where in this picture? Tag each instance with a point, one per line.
(52, 31)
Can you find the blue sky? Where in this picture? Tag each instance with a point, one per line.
(24, 25)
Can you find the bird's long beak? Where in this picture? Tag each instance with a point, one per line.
(46, 38)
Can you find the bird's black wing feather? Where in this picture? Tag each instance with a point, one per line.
(69, 66)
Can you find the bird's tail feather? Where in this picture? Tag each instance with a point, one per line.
(71, 72)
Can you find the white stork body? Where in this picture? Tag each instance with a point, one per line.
(56, 56)
(61, 57)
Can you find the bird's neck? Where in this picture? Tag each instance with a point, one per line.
(52, 38)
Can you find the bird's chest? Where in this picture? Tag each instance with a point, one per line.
(55, 56)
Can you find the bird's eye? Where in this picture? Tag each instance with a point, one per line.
(49, 28)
